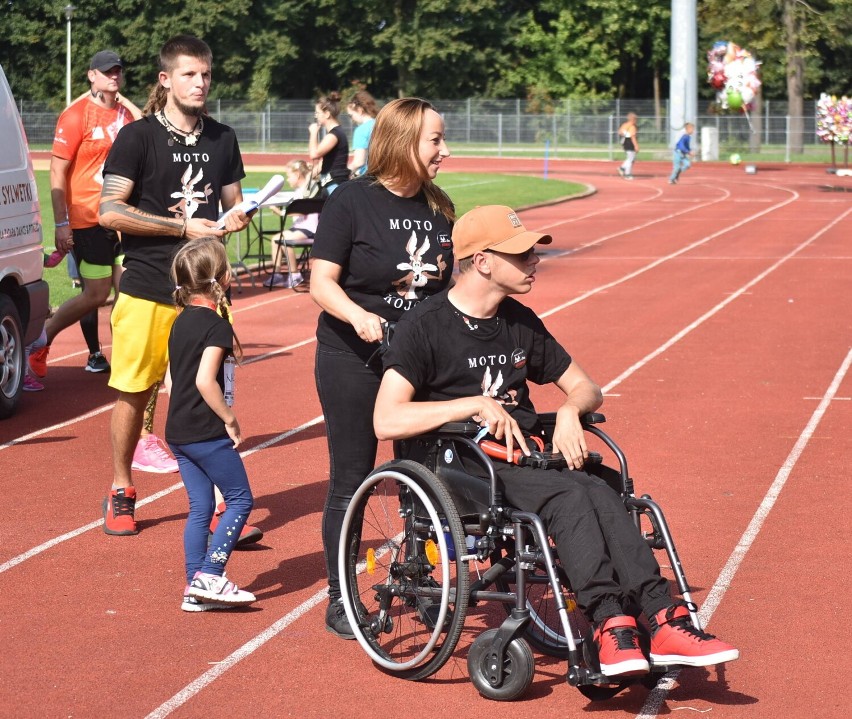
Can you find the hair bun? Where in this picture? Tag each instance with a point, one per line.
(334, 96)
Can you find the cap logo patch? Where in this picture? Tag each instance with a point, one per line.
(513, 218)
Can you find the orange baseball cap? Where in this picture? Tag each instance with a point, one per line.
(493, 227)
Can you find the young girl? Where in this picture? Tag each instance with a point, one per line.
(298, 174)
(201, 427)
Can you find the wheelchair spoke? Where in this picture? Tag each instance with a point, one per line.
(408, 597)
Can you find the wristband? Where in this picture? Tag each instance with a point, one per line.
(62, 224)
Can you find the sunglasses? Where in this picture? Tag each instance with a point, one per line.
(523, 256)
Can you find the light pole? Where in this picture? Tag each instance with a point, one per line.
(69, 13)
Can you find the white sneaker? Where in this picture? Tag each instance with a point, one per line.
(294, 280)
(192, 604)
(276, 280)
(219, 590)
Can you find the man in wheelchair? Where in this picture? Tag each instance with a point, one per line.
(468, 353)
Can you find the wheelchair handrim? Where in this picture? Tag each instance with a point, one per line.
(365, 487)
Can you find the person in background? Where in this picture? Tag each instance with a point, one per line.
(382, 246)
(333, 148)
(84, 135)
(362, 109)
(303, 229)
(683, 154)
(630, 142)
(164, 181)
(202, 429)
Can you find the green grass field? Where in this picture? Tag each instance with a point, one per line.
(466, 190)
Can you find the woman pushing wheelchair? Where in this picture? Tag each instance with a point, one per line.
(468, 352)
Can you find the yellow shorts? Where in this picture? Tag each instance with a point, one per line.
(140, 343)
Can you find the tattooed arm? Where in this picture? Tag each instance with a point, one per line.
(116, 214)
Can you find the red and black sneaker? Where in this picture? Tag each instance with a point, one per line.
(38, 361)
(249, 535)
(118, 508)
(617, 641)
(678, 642)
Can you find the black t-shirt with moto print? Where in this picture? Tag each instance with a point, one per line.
(394, 252)
(169, 180)
(445, 354)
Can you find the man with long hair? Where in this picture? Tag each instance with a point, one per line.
(164, 181)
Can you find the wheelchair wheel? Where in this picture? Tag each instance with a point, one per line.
(404, 588)
(518, 668)
(544, 631)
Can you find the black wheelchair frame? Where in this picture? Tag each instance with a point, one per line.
(409, 536)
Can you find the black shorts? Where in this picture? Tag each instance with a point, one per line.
(96, 245)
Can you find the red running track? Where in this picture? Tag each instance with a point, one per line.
(716, 315)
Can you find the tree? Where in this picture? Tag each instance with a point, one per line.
(434, 48)
(803, 46)
(599, 48)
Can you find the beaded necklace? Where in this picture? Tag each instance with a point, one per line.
(176, 135)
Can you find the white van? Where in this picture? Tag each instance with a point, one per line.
(24, 295)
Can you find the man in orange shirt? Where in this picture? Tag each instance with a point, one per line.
(84, 134)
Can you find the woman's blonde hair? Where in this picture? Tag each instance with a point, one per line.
(393, 151)
(300, 167)
(201, 268)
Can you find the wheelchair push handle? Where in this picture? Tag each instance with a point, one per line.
(387, 332)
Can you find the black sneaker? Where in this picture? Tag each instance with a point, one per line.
(97, 363)
(336, 621)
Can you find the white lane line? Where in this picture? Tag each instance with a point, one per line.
(715, 595)
(661, 260)
(724, 303)
(98, 523)
(54, 427)
(107, 407)
(657, 696)
(281, 624)
(279, 297)
(236, 309)
(193, 688)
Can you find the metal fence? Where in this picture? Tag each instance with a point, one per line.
(501, 126)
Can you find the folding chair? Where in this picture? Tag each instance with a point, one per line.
(304, 206)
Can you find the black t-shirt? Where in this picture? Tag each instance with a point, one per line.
(170, 180)
(334, 163)
(190, 418)
(394, 251)
(445, 354)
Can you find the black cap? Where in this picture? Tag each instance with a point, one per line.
(104, 60)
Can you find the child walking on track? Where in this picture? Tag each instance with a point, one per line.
(202, 429)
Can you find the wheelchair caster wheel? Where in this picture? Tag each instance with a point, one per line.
(518, 668)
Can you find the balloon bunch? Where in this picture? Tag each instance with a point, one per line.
(834, 119)
(732, 73)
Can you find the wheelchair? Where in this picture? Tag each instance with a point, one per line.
(424, 540)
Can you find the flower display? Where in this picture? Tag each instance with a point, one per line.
(834, 119)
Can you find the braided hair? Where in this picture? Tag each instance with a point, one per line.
(201, 269)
